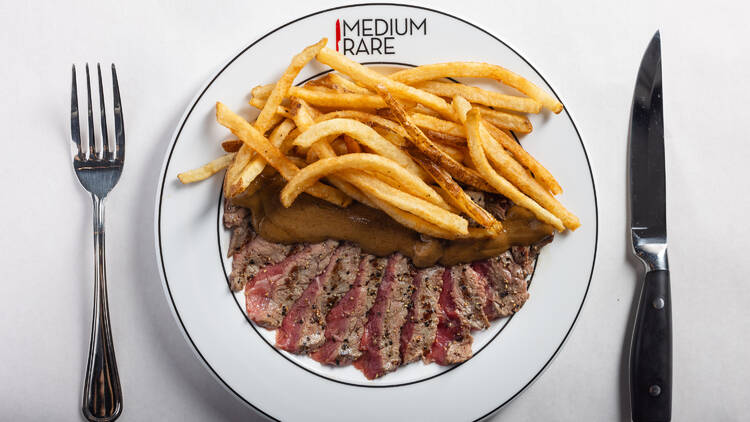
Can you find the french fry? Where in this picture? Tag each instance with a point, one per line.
(426, 121)
(372, 79)
(411, 221)
(514, 172)
(461, 200)
(368, 118)
(331, 98)
(234, 180)
(444, 138)
(262, 92)
(458, 154)
(428, 148)
(525, 159)
(207, 170)
(347, 84)
(481, 96)
(258, 163)
(281, 89)
(388, 169)
(366, 135)
(503, 120)
(394, 138)
(477, 70)
(257, 142)
(352, 147)
(280, 110)
(511, 169)
(231, 145)
(374, 187)
(477, 152)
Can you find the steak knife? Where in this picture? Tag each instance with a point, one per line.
(651, 347)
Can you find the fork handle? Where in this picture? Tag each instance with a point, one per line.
(102, 395)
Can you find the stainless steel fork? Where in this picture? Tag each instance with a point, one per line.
(98, 170)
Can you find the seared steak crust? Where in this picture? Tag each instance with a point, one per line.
(380, 341)
(345, 323)
(418, 334)
(303, 327)
(252, 257)
(277, 287)
(453, 339)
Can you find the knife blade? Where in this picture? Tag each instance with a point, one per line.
(651, 346)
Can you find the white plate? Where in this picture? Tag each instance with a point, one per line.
(191, 243)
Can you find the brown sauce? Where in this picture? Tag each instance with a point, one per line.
(313, 220)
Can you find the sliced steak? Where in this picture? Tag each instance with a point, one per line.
(234, 215)
(345, 323)
(303, 327)
(380, 341)
(470, 294)
(238, 220)
(418, 334)
(506, 285)
(453, 338)
(277, 287)
(254, 255)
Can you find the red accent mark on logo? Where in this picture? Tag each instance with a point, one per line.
(338, 34)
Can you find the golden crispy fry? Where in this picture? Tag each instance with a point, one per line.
(514, 172)
(476, 149)
(262, 92)
(387, 169)
(444, 138)
(457, 153)
(257, 142)
(267, 115)
(482, 96)
(477, 70)
(258, 163)
(297, 161)
(503, 120)
(517, 174)
(411, 221)
(323, 150)
(352, 147)
(243, 157)
(347, 84)
(425, 121)
(374, 187)
(280, 90)
(459, 198)
(280, 110)
(364, 117)
(524, 158)
(428, 148)
(364, 134)
(330, 98)
(371, 79)
(342, 181)
(394, 138)
(231, 145)
(207, 170)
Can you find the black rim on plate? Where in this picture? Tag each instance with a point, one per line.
(198, 98)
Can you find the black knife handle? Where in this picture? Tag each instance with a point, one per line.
(651, 352)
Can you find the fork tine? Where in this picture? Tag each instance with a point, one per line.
(119, 124)
(105, 140)
(92, 139)
(75, 128)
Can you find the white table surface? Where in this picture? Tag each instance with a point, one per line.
(588, 50)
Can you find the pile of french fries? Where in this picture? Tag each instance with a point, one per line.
(408, 143)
